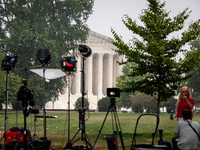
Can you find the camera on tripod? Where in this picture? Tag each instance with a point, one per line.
(25, 94)
(113, 92)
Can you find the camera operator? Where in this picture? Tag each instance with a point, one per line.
(186, 133)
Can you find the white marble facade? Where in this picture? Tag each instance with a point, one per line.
(101, 70)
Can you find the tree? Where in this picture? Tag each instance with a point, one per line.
(124, 99)
(154, 52)
(193, 82)
(196, 96)
(78, 103)
(29, 25)
(141, 101)
(104, 104)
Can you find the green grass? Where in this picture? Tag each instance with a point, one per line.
(57, 128)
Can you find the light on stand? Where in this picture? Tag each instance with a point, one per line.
(8, 64)
(43, 55)
(68, 63)
(85, 50)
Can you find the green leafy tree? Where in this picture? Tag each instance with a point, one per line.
(154, 52)
(196, 96)
(104, 104)
(27, 26)
(78, 103)
(141, 101)
(193, 82)
(124, 99)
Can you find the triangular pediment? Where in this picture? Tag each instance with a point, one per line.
(96, 38)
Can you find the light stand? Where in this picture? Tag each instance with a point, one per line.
(6, 106)
(8, 64)
(86, 52)
(44, 57)
(69, 144)
(44, 111)
(68, 64)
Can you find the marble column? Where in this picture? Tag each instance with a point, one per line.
(89, 74)
(110, 73)
(100, 76)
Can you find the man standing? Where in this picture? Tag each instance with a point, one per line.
(186, 133)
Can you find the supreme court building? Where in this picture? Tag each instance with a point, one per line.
(101, 71)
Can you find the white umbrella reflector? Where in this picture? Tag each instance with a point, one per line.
(49, 73)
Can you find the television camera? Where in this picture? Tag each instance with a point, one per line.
(25, 94)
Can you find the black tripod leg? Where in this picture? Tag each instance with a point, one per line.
(119, 131)
(18, 140)
(102, 125)
(86, 137)
(69, 144)
(120, 135)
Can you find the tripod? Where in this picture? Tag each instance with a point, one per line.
(84, 137)
(112, 109)
(24, 131)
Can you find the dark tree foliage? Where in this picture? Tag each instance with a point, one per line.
(78, 103)
(193, 82)
(141, 101)
(154, 52)
(124, 99)
(104, 104)
(57, 25)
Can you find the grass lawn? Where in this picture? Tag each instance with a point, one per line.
(57, 128)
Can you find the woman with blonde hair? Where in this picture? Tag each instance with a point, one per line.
(184, 102)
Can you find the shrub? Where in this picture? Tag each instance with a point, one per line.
(104, 104)
(78, 103)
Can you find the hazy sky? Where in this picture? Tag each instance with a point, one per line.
(109, 13)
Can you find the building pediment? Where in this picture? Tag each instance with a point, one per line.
(96, 38)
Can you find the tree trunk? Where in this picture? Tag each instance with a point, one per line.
(158, 110)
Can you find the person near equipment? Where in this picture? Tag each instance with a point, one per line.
(186, 133)
(184, 102)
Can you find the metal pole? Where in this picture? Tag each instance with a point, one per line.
(83, 90)
(83, 84)
(25, 104)
(6, 106)
(69, 110)
(44, 111)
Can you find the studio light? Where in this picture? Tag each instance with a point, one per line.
(85, 50)
(8, 63)
(68, 63)
(43, 56)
